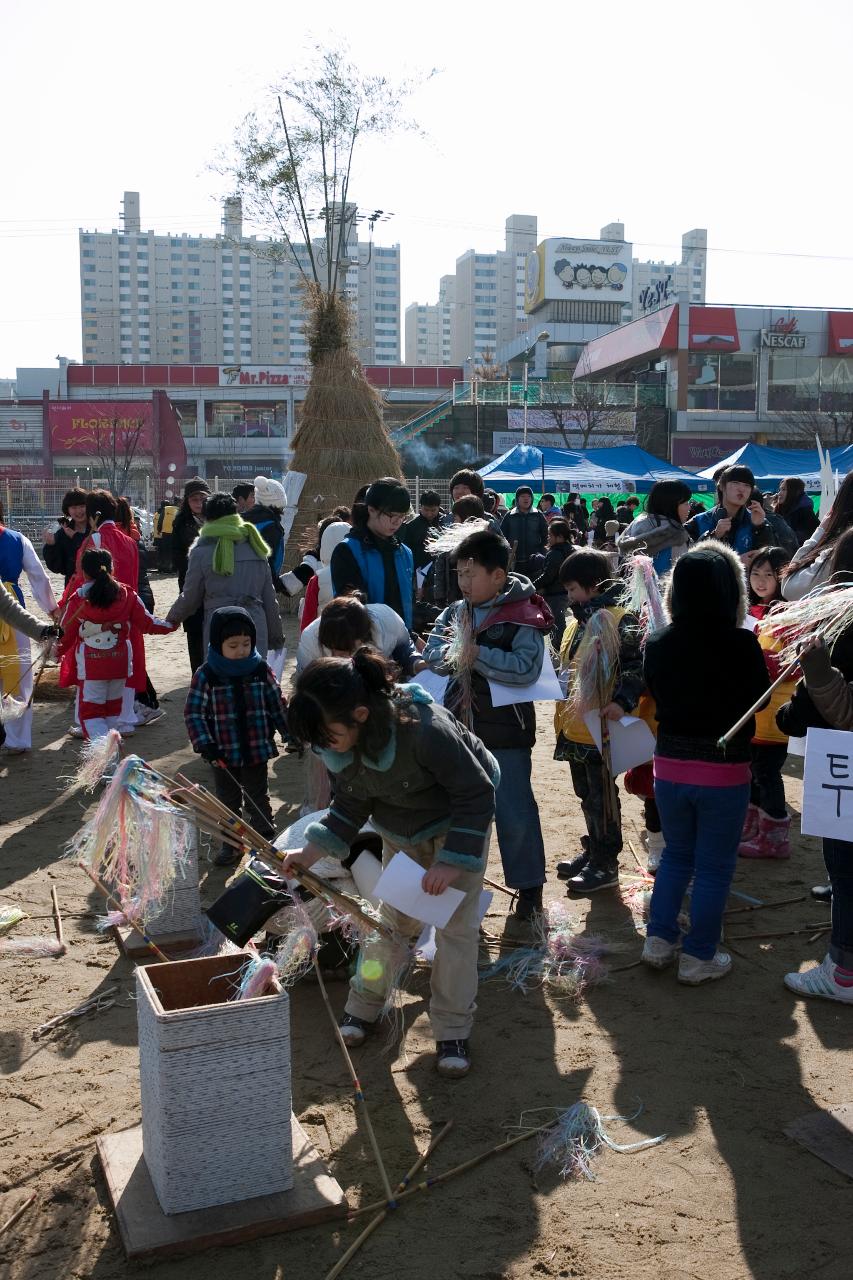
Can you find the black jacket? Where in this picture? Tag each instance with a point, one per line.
(527, 531)
(548, 582)
(800, 714)
(414, 535)
(185, 529)
(802, 520)
(272, 532)
(62, 556)
(703, 681)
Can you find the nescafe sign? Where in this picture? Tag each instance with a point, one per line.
(783, 333)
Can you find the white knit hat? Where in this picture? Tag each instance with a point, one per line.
(269, 493)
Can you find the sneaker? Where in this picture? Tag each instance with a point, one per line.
(453, 1058)
(529, 904)
(692, 970)
(565, 870)
(593, 878)
(822, 892)
(655, 845)
(354, 1031)
(227, 857)
(127, 730)
(822, 980)
(658, 953)
(75, 731)
(147, 715)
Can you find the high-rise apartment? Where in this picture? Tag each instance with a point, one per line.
(222, 299)
(428, 327)
(656, 283)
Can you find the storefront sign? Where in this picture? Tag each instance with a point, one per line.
(261, 375)
(696, 453)
(101, 428)
(783, 333)
(598, 270)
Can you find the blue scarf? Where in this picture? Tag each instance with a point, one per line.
(232, 668)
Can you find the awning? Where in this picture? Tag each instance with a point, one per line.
(841, 333)
(642, 339)
(713, 329)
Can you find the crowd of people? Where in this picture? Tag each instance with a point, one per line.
(479, 596)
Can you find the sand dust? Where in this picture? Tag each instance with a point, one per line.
(721, 1070)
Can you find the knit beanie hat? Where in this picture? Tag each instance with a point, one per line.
(230, 621)
(388, 495)
(196, 485)
(269, 493)
(611, 528)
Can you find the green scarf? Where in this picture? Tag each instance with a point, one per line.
(228, 530)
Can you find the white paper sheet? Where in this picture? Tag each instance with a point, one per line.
(828, 785)
(796, 746)
(433, 683)
(425, 945)
(366, 871)
(631, 741)
(400, 886)
(276, 659)
(545, 689)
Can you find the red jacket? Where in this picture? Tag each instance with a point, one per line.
(106, 644)
(124, 551)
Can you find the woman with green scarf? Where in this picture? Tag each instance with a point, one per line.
(228, 566)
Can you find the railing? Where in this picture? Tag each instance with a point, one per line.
(544, 391)
(409, 430)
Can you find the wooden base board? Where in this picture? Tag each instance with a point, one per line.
(133, 945)
(828, 1135)
(147, 1232)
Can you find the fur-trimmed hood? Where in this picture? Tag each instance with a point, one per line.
(698, 582)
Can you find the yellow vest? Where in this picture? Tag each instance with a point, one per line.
(767, 732)
(566, 720)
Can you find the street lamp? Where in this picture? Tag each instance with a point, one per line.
(540, 337)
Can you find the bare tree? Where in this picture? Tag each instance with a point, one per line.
(833, 425)
(488, 370)
(580, 410)
(114, 445)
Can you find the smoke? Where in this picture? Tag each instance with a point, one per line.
(439, 459)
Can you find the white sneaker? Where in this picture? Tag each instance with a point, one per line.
(692, 971)
(655, 845)
(75, 731)
(821, 981)
(658, 953)
(147, 715)
(127, 730)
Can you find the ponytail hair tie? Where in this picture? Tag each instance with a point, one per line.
(102, 568)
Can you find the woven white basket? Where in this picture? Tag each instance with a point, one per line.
(215, 1083)
(182, 910)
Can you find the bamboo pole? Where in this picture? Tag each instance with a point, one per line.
(57, 918)
(380, 1217)
(114, 902)
(759, 906)
(493, 884)
(429, 1183)
(756, 706)
(784, 933)
(10, 1222)
(357, 1089)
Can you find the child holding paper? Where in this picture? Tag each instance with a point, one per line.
(704, 671)
(585, 575)
(428, 787)
(497, 632)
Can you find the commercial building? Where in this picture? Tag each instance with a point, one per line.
(217, 420)
(656, 283)
(736, 374)
(225, 299)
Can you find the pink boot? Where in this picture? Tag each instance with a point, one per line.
(750, 826)
(771, 841)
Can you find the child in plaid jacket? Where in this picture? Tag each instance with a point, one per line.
(233, 708)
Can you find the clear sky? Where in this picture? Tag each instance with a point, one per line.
(666, 116)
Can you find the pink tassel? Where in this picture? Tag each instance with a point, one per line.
(34, 948)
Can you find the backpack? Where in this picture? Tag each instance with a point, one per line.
(277, 555)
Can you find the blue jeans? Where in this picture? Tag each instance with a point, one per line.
(838, 856)
(701, 828)
(517, 821)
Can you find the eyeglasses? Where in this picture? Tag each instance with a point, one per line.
(393, 516)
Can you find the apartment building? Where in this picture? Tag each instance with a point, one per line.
(225, 299)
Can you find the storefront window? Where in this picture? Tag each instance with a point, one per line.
(253, 421)
(836, 384)
(737, 382)
(189, 418)
(793, 383)
(703, 381)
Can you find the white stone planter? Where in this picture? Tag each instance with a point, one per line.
(215, 1085)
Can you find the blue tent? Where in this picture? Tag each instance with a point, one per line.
(622, 469)
(771, 466)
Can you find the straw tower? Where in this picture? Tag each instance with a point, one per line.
(341, 443)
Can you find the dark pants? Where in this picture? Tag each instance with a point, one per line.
(701, 827)
(148, 696)
(517, 821)
(605, 837)
(651, 816)
(194, 628)
(768, 789)
(245, 790)
(838, 856)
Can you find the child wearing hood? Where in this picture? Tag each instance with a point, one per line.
(505, 622)
(319, 591)
(233, 709)
(704, 671)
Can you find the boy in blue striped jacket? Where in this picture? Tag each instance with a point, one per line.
(233, 709)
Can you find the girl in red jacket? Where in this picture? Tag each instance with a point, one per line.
(101, 648)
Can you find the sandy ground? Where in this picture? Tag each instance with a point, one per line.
(719, 1069)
